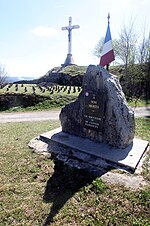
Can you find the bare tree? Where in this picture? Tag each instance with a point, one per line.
(127, 44)
(147, 61)
(148, 49)
(144, 49)
(3, 75)
(143, 58)
(98, 48)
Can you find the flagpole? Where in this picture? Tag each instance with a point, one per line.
(108, 17)
(107, 67)
(107, 55)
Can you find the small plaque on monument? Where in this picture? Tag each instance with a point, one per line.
(93, 110)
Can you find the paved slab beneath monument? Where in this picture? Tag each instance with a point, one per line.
(128, 157)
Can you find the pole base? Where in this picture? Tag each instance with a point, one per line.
(69, 60)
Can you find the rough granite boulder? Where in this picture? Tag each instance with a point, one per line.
(101, 112)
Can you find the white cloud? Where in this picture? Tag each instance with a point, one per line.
(44, 31)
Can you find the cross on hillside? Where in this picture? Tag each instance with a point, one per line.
(69, 59)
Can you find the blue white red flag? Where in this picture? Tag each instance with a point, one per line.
(107, 55)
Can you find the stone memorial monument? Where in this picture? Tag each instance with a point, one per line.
(97, 130)
(101, 112)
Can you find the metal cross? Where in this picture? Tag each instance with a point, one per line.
(69, 28)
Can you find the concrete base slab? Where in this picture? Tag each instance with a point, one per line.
(127, 158)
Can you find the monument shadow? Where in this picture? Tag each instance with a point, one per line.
(63, 184)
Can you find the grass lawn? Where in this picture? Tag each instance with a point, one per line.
(139, 103)
(32, 193)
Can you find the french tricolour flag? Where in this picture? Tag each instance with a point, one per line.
(107, 55)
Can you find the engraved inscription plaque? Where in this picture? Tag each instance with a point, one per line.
(93, 110)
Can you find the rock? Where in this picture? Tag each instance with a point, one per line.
(101, 112)
(65, 75)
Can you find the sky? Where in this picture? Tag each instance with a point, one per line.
(31, 39)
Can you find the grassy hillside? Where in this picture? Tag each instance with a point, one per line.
(40, 90)
(68, 75)
(71, 70)
(29, 97)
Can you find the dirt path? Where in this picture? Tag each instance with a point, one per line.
(53, 115)
(142, 111)
(29, 116)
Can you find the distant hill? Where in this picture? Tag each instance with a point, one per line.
(15, 79)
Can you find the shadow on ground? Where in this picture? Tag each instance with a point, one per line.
(63, 184)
